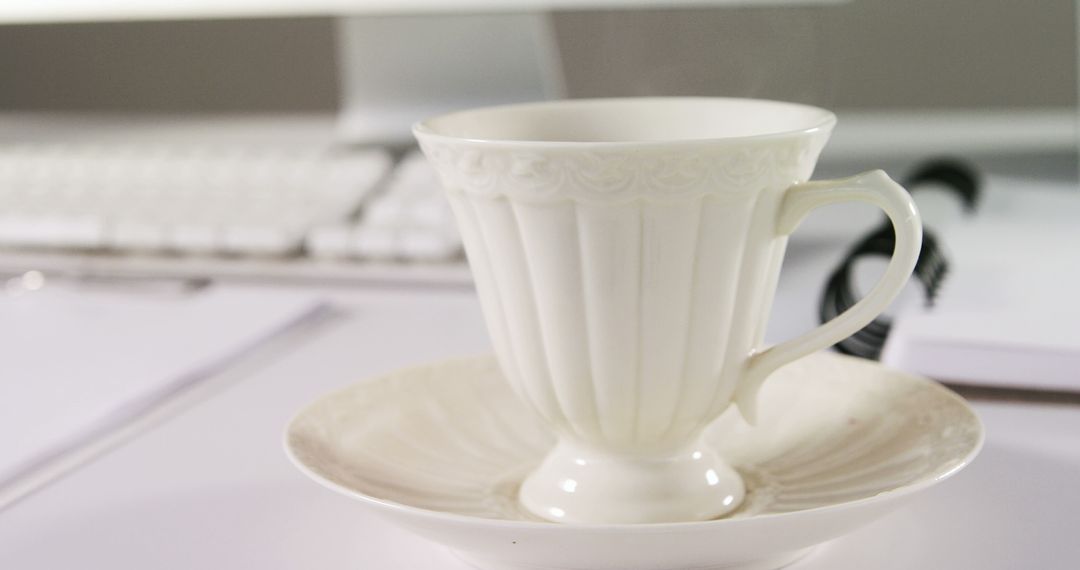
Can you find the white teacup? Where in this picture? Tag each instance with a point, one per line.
(626, 253)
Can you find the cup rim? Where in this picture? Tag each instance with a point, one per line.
(423, 129)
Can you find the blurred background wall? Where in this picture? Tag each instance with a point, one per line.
(907, 54)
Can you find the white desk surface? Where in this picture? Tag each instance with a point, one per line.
(209, 486)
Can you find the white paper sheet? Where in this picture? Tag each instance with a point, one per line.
(1008, 314)
(76, 363)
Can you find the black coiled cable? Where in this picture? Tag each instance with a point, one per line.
(930, 269)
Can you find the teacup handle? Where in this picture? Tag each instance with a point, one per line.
(876, 188)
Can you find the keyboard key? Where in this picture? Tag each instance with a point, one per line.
(136, 236)
(85, 233)
(428, 245)
(195, 239)
(431, 212)
(386, 210)
(261, 240)
(330, 241)
(375, 243)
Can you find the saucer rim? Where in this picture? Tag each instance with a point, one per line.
(400, 508)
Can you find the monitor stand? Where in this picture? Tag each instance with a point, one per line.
(398, 69)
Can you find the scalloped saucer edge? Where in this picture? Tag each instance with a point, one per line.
(440, 450)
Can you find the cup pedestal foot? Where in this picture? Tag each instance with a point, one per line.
(579, 485)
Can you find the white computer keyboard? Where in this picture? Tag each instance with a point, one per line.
(411, 220)
(224, 211)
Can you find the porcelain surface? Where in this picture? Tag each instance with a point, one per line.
(626, 252)
(442, 450)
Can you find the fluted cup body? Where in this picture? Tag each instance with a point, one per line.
(625, 253)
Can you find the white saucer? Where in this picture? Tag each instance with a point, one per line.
(441, 449)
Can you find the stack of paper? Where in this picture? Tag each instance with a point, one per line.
(1009, 312)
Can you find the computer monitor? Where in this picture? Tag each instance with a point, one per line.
(400, 60)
